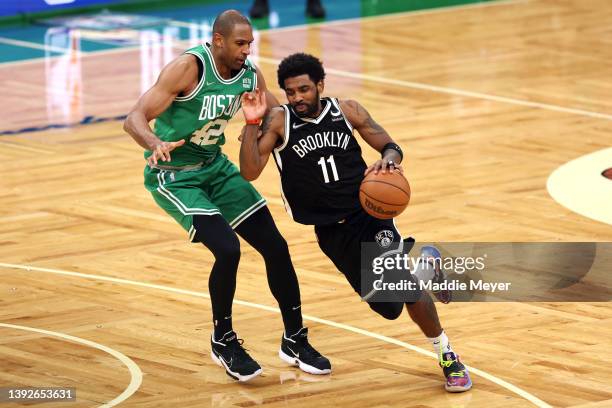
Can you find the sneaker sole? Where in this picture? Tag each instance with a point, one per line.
(455, 389)
(234, 375)
(303, 366)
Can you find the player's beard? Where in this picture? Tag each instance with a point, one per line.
(311, 109)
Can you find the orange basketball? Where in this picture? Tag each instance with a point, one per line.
(384, 195)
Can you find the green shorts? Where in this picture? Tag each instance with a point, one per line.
(216, 188)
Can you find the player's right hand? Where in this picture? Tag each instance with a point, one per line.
(384, 165)
(162, 150)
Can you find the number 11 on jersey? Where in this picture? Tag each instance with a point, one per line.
(332, 164)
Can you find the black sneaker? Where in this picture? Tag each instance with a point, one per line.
(296, 350)
(229, 354)
(259, 9)
(314, 9)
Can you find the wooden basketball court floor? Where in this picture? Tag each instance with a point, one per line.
(487, 102)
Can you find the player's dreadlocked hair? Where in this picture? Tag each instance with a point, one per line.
(300, 64)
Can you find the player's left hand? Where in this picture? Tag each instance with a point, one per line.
(254, 104)
(384, 166)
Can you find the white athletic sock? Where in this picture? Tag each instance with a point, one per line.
(441, 343)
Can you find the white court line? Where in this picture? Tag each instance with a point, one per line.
(374, 78)
(178, 23)
(29, 44)
(436, 10)
(510, 387)
(135, 373)
(454, 91)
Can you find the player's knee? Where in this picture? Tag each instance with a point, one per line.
(228, 251)
(280, 246)
(388, 310)
(274, 246)
(224, 248)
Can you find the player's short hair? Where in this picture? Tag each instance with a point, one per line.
(225, 22)
(300, 64)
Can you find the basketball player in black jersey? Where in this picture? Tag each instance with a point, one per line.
(321, 168)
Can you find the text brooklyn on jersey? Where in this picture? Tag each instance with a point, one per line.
(320, 165)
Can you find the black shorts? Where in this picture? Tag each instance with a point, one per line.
(342, 243)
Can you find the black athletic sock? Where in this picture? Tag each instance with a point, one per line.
(292, 319)
(222, 326)
(260, 231)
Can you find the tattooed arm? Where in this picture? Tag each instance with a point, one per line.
(254, 151)
(372, 133)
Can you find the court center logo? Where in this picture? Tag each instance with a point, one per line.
(384, 238)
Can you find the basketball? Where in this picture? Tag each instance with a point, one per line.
(384, 195)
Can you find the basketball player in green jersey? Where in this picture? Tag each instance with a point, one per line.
(194, 182)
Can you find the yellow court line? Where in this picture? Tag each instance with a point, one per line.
(135, 373)
(504, 384)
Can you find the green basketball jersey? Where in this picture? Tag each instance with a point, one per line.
(200, 117)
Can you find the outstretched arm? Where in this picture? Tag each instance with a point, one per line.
(373, 134)
(255, 151)
(175, 78)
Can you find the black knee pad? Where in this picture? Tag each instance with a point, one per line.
(388, 310)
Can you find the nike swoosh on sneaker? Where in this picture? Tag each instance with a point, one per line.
(296, 355)
(229, 364)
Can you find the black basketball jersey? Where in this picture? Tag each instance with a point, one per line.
(320, 165)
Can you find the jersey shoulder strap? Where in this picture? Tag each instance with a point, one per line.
(198, 52)
(287, 125)
(279, 149)
(248, 64)
(336, 104)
